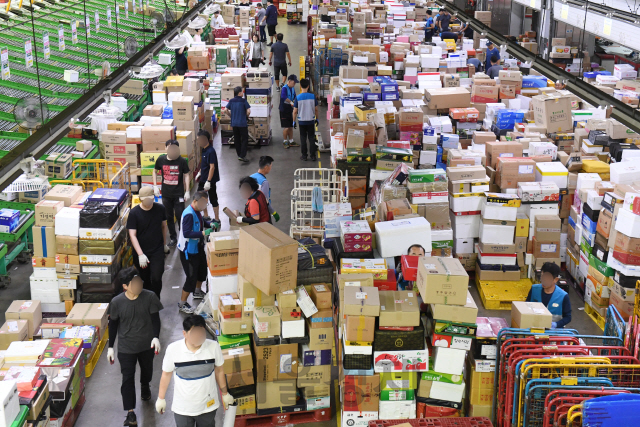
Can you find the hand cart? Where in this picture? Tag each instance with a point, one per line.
(19, 244)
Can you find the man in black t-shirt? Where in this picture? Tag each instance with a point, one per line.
(147, 225)
(209, 173)
(174, 171)
(181, 60)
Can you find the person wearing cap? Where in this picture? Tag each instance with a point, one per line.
(174, 171)
(134, 319)
(278, 57)
(147, 225)
(261, 19)
(287, 99)
(305, 113)
(491, 51)
(239, 109)
(191, 245)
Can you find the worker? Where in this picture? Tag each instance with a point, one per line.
(429, 27)
(414, 250)
(174, 72)
(209, 173)
(147, 225)
(261, 21)
(287, 99)
(135, 320)
(549, 293)
(491, 50)
(239, 109)
(255, 52)
(475, 62)
(466, 31)
(443, 20)
(494, 71)
(191, 246)
(271, 18)
(257, 208)
(195, 363)
(278, 58)
(305, 114)
(449, 35)
(181, 60)
(264, 167)
(174, 171)
(217, 21)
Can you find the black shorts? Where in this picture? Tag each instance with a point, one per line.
(277, 69)
(195, 268)
(286, 119)
(213, 194)
(271, 29)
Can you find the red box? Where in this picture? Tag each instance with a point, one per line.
(409, 265)
(357, 246)
(389, 284)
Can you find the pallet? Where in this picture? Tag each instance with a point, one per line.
(283, 419)
(93, 360)
(595, 316)
(436, 422)
(498, 295)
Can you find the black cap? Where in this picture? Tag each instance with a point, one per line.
(293, 77)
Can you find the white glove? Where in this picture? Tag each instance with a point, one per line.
(166, 249)
(143, 260)
(239, 220)
(161, 405)
(198, 176)
(156, 191)
(110, 356)
(187, 196)
(155, 344)
(207, 185)
(227, 400)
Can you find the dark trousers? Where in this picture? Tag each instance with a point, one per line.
(152, 274)
(255, 62)
(208, 419)
(173, 206)
(128, 370)
(308, 132)
(241, 140)
(195, 268)
(263, 33)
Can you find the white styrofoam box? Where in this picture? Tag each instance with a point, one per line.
(591, 148)
(448, 360)
(67, 222)
(587, 180)
(429, 157)
(171, 96)
(579, 230)
(466, 202)
(628, 223)
(441, 235)
(430, 139)
(543, 148)
(504, 259)
(497, 211)
(624, 172)
(594, 200)
(441, 124)
(426, 197)
(392, 236)
(463, 245)
(492, 109)
(397, 409)
(552, 172)
(164, 59)
(221, 285)
(429, 60)
(497, 234)
(45, 272)
(260, 110)
(134, 132)
(120, 102)
(358, 419)
(534, 209)
(292, 328)
(44, 289)
(10, 402)
(71, 76)
(630, 155)
(147, 120)
(479, 148)
(445, 391)
(465, 226)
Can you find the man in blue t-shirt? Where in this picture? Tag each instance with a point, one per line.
(428, 27)
(239, 109)
(305, 112)
(264, 167)
(491, 51)
(209, 174)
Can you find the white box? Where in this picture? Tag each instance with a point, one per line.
(164, 59)
(44, 272)
(448, 360)
(67, 222)
(594, 200)
(552, 172)
(534, 209)
(358, 419)
(260, 110)
(44, 290)
(319, 403)
(463, 245)
(497, 234)
(429, 157)
(466, 202)
(392, 237)
(10, 402)
(587, 180)
(497, 211)
(543, 148)
(465, 226)
(624, 173)
(628, 223)
(493, 259)
(71, 76)
(445, 391)
(292, 328)
(397, 409)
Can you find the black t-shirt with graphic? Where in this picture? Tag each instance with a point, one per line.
(172, 175)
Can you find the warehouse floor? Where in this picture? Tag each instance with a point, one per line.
(106, 378)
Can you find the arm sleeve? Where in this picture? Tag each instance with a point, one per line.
(566, 312)
(132, 221)
(113, 331)
(158, 166)
(254, 209)
(155, 322)
(295, 103)
(218, 354)
(266, 190)
(185, 166)
(529, 296)
(187, 228)
(167, 362)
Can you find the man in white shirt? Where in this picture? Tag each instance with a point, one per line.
(217, 21)
(195, 363)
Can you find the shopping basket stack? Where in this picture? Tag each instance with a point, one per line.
(540, 375)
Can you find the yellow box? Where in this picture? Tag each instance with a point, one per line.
(480, 411)
(377, 267)
(482, 396)
(480, 380)
(363, 113)
(174, 81)
(149, 159)
(522, 226)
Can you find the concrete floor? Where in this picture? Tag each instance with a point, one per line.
(105, 410)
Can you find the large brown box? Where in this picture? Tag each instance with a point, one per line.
(13, 330)
(457, 97)
(442, 281)
(547, 228)
(399, 308)
(30, 311)
(511, 171)
(237, 359)
(530, 315)
(497, 149)
(276, 394)
(360, 328)
(157, 133)
(553, 112)
(92, 314)
(276, 362)
(239, 379)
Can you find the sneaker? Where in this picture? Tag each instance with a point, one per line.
(198, 294)
(303, 158)
(313, 158)
(172, 243)
(145, 392)
(185, 308)
(206, 218)
(269, 44)
(131, 419)
(292, 143)
(243, 159)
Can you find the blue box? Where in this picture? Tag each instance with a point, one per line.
(588, 225)
(108, 195)
(572, 223)
(391, 96)
(389, 87)
(449, 140)
(382, 79)
(9, 219)
(534, 81)
(315, 357)
(370, 96)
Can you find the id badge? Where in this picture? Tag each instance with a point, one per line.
(181, 199)
(211, 403)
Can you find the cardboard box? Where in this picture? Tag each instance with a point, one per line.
(31, 311)
(529, 315)
(266, 321)
(359, 301)
(456, 313)
(361, 393)
(399, 308)
(553, 112)
(46, 211)
(458, 97)
(442, 281)
(222, 262)
(67, 194)
(268, 258)
(276, 394)
(242, 325)
(313, 376)
(276, 362)
(13, 330)
(252, 297)
(44, 241)
(89, 314)
(237, 359)
(321, 296)
(320, 338)
(157, 133)
(322, 319)
(287, 299)
(239, 379)
(360, 328)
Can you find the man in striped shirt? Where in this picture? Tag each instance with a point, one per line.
(305, 112)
